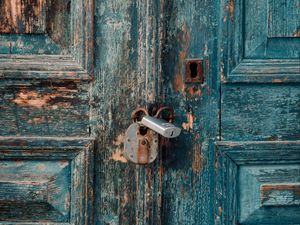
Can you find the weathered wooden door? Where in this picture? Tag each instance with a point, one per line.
(71, 73)
(46, 150)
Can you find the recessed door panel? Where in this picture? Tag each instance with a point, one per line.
(258, 183)
(35, 191)
(45, 180)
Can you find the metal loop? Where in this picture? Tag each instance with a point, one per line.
(134, 114)
(168, 108)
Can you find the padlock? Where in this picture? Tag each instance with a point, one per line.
(141, 143)
(168, 130)
(161, 126)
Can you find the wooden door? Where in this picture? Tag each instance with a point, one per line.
(258, 167)
(71, 73)
(46, 150)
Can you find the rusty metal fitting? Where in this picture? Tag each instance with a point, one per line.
(135, 113)
(171, 116)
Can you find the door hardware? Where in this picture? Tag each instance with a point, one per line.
(194, 71)
(142, 136)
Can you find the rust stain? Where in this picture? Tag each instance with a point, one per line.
(22, 16)
(183, 38)
(194, 92)
(231, 9)
(34, 99)
(118, 156)
(295, 188)
(31, 98)
(178, 83)
(197, 159)
(189, 124)
(120, 139)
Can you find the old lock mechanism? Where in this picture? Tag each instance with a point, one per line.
(142, 137)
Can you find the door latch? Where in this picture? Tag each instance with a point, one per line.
(142, 136)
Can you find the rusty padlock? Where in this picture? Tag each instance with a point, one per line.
(141, 143)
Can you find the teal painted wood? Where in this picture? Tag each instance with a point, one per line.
(127, 74)
(46, 157)
(244, 39)
(246, 171)
(190, 31)
(43, 107)
(139, 58)
(46, 180)
(262, 112)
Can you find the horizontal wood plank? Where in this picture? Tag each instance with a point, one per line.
(44, 108)
(280, 194)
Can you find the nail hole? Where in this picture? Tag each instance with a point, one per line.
(194, 69)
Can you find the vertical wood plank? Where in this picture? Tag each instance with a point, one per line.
(191, 31)
(127, 75)
(23, 16)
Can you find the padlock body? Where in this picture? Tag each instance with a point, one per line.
(161, 126)
(140, 147)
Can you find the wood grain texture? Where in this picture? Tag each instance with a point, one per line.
(69, 36)
(44, 108)
(242, 168)
(23, 16)
(283, 18)
(46, 180)
(244, 43)
(127, 75)
(280, 194)
(190, 31)
(264, 112)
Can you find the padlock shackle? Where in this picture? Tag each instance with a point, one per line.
(134, 114)
(167, 108)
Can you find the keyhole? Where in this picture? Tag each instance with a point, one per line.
(143, 131)
(194, 69)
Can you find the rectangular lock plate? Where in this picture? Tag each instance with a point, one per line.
(194, 71)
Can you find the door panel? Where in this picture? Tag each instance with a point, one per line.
(258, 182)
(52, 99)
(46, 180)
(253, 50)
(264, 112)
(46, 157)
(257, 163)
(44, 107)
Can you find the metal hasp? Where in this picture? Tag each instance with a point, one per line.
(142, 136)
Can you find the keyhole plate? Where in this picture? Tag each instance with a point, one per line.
(194, 71)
